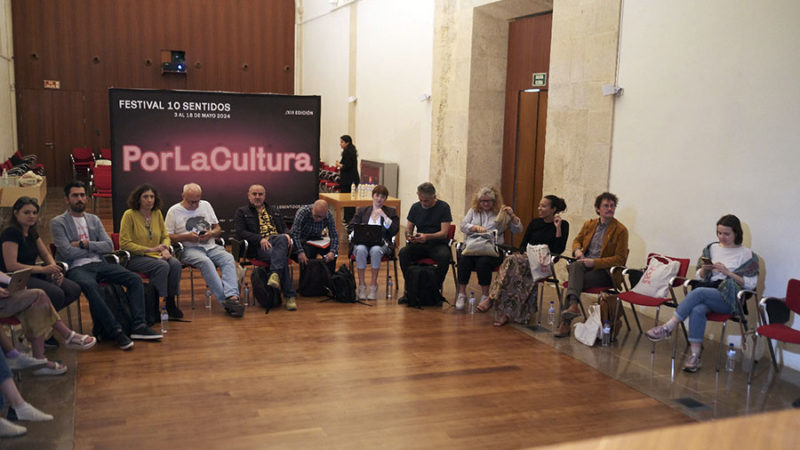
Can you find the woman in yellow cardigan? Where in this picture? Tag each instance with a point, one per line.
(143, 234)
(601, 244)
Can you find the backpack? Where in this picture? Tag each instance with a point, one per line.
(266, 296)
(422, 286)
(315, 278)
(343, 286)
(152, 312)
(117, 301)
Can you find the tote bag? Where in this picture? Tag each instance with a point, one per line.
(539, 258)
(480, 244)
(655, 280)
(587, 332)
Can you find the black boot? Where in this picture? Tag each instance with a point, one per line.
(172, 309)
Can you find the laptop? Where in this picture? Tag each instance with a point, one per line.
(18, 280)
(369, 235)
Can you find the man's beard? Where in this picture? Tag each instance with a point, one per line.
(78, 208)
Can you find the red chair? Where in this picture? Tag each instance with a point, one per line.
(239, 251)
(598, 291)
(100, 183)
(82, 160)
(105, 153)
(778, 331)
(645, 300)
(740, 318)
(385, 258)
(430, 262)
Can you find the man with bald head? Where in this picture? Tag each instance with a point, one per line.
(263, 228)
(309, 223)
(193, 223)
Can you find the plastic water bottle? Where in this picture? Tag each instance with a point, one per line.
(551, 315)
(472, 303)
(164, 320)
(5, 177)
(389, 287)
(353, 191)
(208, 298)
(606, 334)
(246, 296)
(730, 364)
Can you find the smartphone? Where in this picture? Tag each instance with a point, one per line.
(202, 232)
(705, 260)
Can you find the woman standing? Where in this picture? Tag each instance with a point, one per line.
(487, 214)
(348, 170)
(726, 267)
(375, 214)
(514, 285)
(143, 234)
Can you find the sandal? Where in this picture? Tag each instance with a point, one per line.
(57, 369)
(77, 341)
(485, 304)
(501, 321)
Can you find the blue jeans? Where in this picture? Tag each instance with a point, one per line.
(88, 278)
(5, 373)
(375, 254)
(696, 305)
(278, 259)
(208, 261)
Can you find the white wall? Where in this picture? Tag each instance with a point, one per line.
(8, 130)
(387, 65)
(708, 125)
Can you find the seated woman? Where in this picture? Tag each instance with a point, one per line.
(36, 314)
(512, 290)
(726, 267)
(24, 410)
(487, 214)
(142, 233)
(375, 214)
(21, 245)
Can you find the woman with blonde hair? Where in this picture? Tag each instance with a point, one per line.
(487, 214)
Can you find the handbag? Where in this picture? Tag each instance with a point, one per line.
(655, 280)
(588, 331)
(539, 258)
(480, 244)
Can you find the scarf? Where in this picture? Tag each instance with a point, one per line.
(728, 288)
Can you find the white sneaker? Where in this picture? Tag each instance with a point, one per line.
(27, 412)
(8, 429)
(460, 300)
(24, 361)
(372, 292)
(362, 291)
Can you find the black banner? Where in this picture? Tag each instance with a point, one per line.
(223, 141)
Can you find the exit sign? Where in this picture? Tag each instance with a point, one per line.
(52, 84)
(539, 79)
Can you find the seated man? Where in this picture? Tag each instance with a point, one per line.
(309, 223)
(193, 223)
(432, 218)
(263, 228)
(601, 244)
(81, 241)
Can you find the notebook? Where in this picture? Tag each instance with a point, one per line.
(369, 235)
(17, 281)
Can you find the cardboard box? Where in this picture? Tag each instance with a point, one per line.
(10, 194)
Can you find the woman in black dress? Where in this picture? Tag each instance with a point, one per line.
(348, 170)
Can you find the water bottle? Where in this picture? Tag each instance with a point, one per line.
(208, 298)
(389, 287)
(551, 315)
(606, 334)
(472, 303)
(164, 320)
(731, 363)
(246, 296)
(353, 191)
(5, 177)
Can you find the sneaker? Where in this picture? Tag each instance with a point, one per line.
(460, 300)
(123, 341)
(274, 281)
(24, 361)
(362, 291)
(145, 333)
(291, 303)
(372, 292)
(27, 412)
(8, 429)
(692, 363)
(233, 307)
(656, 334)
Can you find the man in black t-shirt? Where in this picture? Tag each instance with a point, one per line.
(431, 218)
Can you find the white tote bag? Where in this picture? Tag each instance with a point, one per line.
(655, 280)
(539, 258)
(588, 331)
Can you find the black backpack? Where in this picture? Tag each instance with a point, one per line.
(315, 279)
(343, 286)
(117, 301)
(266, 296)
(422, 286)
